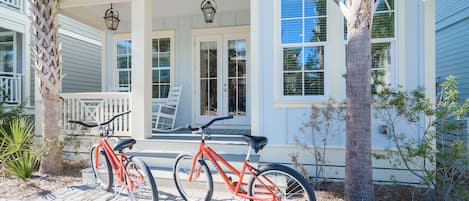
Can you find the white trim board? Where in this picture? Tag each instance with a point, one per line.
(80, 37)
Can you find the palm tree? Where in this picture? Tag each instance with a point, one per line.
(358, 166)
(48, 67)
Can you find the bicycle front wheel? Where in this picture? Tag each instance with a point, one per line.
(278, 182)
(201, 185)
(145, 185)
(101, 168)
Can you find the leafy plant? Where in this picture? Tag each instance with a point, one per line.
(17, 151)
(321, 126)
(444, 163)
(22, 163)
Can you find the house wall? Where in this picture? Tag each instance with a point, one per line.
(81, 49)
(452, 43)
(281, 121)
(183, 27)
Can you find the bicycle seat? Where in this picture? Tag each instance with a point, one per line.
(256, 142)
(123, 143)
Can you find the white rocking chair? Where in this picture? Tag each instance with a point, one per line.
(164, 115)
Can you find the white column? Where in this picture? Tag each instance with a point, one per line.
(256, 80)
(140, 97)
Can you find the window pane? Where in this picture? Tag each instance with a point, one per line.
(315, 8)
(124, 47)
(292, 84)
(6, 58)
(383, 25)
(380, 55)
(165, 60)
(315, 30)
(242, 68)
(154, 60)
(213, 59)
(241, 97)
(123, 62)
(154, 45)
(203, 59)
(6, 38)
(314, 83)
(164, 76)
(164, 90)
(385, 7)
(155, 91)
(314, 58)
(291, 8)
(155, 76)
(124, 78)
(165, 45)
(292, 31)
(292, 59)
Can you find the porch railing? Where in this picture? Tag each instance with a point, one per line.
(10, 88)
(13, 3)
(96, 107)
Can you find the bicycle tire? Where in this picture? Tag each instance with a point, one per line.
(293, 186)
(145, 188)
(103, 173)
(201, 187)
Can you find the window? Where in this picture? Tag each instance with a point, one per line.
(7, 53)
(382, 41)
(162, 54)
(161, 67)
(303, 36)
(124, 64)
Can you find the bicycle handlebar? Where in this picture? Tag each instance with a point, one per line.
(209, 123)
(98, 124)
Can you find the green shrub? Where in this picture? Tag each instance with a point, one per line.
(17, 151)
(22, 164)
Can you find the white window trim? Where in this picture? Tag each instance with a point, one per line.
(155, 34)
(281, 100)
(15, 70)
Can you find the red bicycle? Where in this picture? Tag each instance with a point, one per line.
(270, 182)
(132, 173)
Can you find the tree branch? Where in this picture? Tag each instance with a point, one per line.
(344, 8)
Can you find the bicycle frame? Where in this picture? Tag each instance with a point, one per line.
(117, 163)
(235, 189)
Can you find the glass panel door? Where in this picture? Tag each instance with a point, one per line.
(222, 80)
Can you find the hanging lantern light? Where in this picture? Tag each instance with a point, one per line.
(111, 18)
(208, 8)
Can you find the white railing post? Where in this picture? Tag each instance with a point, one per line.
(10, 88)
(96, 107)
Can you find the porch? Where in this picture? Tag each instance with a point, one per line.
(176, 47)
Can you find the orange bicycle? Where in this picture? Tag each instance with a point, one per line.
(270, 182)
(132, 173)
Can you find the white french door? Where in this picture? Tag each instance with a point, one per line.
(222, 84)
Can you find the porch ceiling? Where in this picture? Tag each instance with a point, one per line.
(91, 12)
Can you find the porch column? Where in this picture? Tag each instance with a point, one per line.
(140, 97)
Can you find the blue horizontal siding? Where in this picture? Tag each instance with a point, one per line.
(81, 65)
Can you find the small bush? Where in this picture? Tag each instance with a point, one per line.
(17, 151)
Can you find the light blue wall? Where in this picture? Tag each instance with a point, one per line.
(282, 124)
(452, 42)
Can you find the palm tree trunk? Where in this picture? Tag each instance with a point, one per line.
(358, 171)
(48, 68)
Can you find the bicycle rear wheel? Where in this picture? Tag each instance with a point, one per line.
(278, 182)
(201, 185)
(145, 185)
(102, 171)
